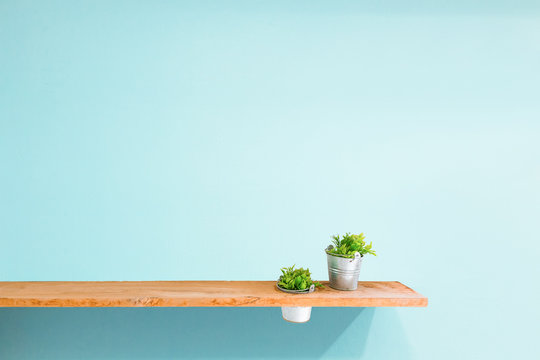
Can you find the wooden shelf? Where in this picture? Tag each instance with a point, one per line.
(198, 293)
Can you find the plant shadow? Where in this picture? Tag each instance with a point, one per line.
(67, 333)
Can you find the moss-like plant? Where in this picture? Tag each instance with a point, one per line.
(350, 244)
(296, 279)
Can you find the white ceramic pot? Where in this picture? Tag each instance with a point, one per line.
(296, 314)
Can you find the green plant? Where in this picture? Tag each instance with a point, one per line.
(296, 279)
(350, 244)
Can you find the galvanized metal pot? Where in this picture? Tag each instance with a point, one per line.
(343, 272)
(296, 314)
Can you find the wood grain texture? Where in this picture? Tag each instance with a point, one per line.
(198, 293)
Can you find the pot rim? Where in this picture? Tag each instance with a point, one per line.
(305, 291)
(342, 256)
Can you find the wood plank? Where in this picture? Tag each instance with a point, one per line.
(198, 293)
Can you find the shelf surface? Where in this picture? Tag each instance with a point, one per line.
(198, 293)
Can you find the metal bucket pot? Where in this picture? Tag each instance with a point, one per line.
(343, 272)
(296, 314)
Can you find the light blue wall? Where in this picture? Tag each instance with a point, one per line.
(145, 140)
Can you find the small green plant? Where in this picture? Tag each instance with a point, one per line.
(296, 279)
(350, 244)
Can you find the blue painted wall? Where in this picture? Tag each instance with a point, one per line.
(145, 140)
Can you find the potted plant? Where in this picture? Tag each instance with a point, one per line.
(296, 281)
(344, 260)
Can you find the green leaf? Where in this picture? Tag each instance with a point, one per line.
(296, 279)
(349, 244)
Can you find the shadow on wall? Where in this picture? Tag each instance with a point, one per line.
(178, 333)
